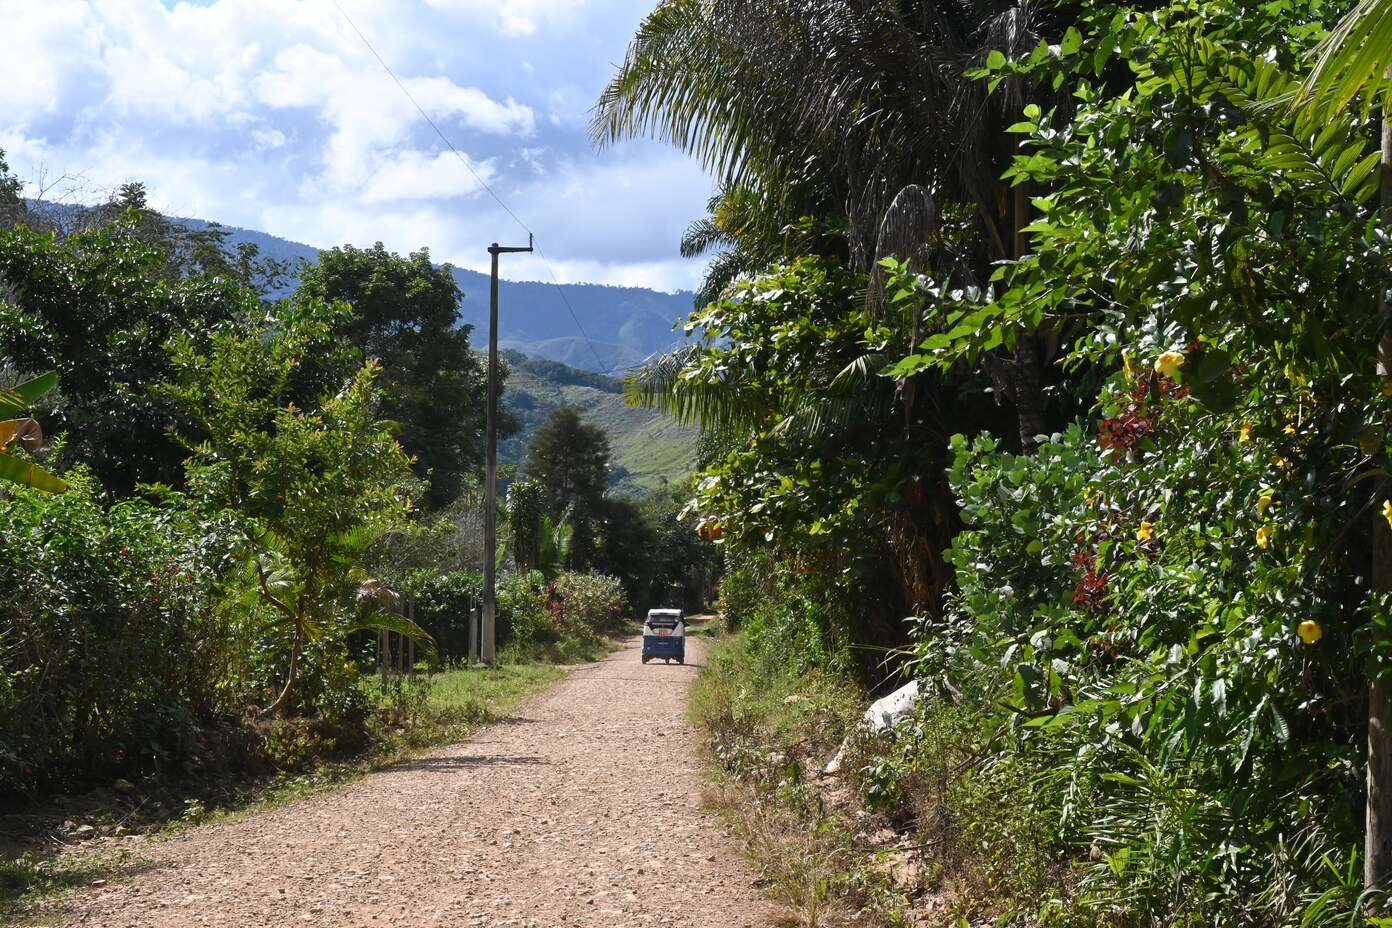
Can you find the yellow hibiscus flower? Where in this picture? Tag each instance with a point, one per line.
(1145, 532)
(1309, 631)
(1263, 536)
(1169, 363)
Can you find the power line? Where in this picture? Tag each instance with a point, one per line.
(482, 183)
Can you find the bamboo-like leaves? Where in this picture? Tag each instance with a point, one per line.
(1306, 146)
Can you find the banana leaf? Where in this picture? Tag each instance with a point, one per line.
(30, 475)
(23, 396)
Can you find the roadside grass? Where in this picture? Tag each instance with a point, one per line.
(416, 714)
(769, 733)
(913, 824)
(27, 880)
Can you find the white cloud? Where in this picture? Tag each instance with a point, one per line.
(274, 115)
(441, 98)
(413, 175)
(516, 17)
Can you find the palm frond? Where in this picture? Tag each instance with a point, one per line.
(857, 394)
(391, 622)
(715, 407)
(1352, 63)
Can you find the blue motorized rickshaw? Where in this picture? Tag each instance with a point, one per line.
(664, 636)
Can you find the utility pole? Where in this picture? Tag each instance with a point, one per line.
(490, 511)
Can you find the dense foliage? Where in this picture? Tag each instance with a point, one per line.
(1164, 619)
(112, 655)
(406, 315)
(209, 591)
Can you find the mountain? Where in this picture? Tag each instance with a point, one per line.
(589, 326)
(560, 344)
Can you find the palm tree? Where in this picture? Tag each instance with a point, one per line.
(860, 110)
(1354, 65)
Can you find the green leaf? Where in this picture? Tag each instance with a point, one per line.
(1211, 365)
(1072, 41)
(23, 396)
(30, 475)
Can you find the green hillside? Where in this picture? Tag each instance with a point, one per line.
(647, 447)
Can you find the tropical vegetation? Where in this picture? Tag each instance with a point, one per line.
(1047, 366)
(240, 524)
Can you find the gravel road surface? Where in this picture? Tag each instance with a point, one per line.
(582, 810)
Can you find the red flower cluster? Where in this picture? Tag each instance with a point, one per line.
(1090, 593)
(1138, 416)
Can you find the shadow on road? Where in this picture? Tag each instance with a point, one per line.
(448, 764)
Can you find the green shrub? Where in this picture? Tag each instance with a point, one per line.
(442, 606)
(590, 603)
(1135, 613)
(112, 656)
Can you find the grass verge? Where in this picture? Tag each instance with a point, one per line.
(822, 855)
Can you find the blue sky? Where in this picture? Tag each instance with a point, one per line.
(274, 115)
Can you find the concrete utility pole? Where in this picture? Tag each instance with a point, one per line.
(490, 511)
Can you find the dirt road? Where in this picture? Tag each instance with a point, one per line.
(583, 810)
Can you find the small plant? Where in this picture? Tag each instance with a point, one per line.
(28, 879)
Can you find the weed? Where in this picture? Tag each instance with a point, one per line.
(27, 879)
(768, 729)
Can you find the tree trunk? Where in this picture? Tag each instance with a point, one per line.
(1377, 843)
(1029, 391)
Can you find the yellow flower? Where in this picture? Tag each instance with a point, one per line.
(1246, 432)
(1132, 368)
(1145, 532)
(1309, 631)
(1263, 502)
(1387, 510)
(1169, 363)
(1263, 536)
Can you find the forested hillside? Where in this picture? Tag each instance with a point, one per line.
(650, 450)
(590, 326)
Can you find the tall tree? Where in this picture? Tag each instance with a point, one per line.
(570, 460)
(1354, 63)
(406, 312)
(98, 309)
(312, 487)
(13, 209)
(863, 111)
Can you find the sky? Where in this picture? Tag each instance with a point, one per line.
(276, 115)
